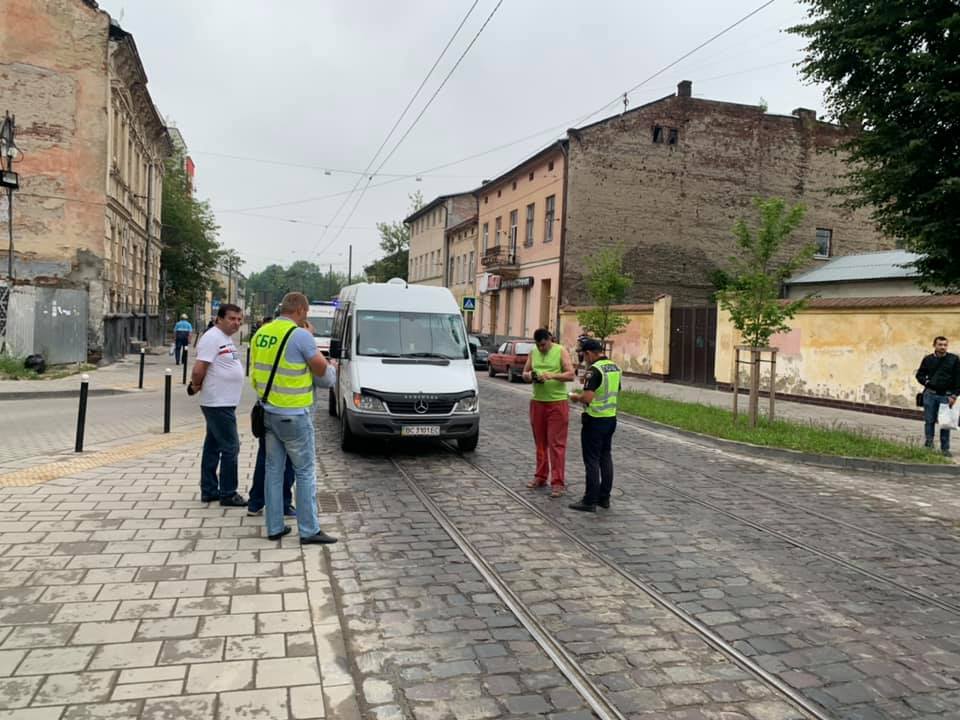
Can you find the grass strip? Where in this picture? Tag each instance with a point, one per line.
(804, 437)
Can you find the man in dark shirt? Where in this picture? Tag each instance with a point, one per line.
(939, 373)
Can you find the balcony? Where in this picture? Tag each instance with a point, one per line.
(500, 260)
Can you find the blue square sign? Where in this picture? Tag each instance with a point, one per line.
(468, 304)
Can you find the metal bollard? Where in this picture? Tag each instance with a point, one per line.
(247, 373)
(142, 357)
(184, 366)
(167, 383)
(82, 412)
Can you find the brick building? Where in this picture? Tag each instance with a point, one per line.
(668, 180)
(87, 216)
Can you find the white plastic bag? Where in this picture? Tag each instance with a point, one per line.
(949, 417)
(328, 380)
(172, 350)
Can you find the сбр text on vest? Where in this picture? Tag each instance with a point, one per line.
(604, 402)
(293, 383)
(550, 362)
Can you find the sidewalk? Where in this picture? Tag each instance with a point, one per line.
(123, 596)
(891, 428)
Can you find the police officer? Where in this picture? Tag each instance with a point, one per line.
(287, 415)
(600, 393)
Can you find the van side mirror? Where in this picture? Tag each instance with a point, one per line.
(336, 347)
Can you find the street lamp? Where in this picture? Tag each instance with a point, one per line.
(10, 180)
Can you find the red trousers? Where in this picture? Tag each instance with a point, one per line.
(549, 421)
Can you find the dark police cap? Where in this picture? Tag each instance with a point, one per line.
(591, 345)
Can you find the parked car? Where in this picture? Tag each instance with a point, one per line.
(509, 359)
(479, 353)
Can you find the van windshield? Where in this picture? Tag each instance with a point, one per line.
(411, 334)
(322, 326)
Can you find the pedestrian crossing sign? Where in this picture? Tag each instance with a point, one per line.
(469, 303)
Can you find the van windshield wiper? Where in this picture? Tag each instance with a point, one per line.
(383, 354)
(438, 356)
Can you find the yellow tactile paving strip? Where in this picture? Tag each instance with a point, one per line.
(88, 461)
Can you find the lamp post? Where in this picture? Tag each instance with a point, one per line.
(10, 180)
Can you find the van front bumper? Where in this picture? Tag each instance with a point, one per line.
(385, 425)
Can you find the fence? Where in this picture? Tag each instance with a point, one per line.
(49, 321)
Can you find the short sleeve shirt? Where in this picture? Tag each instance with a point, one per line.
(223, 383)
(301, 347)
(594, 379)
(183, 326)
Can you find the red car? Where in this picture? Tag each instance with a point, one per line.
(510, 359)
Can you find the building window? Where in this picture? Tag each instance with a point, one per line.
(550, 166)
(824, 242)
(486, 199)
(514, 218)
(548, 218)
(497, 227)
(499, 193)
(657, 134)
(450, 275)
(471, 268)
(514, 184)
(486, 238)
(673, 136)
(528, 240)
(531, 177)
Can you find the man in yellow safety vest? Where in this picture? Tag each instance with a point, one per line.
(287, 414)
(600, 394)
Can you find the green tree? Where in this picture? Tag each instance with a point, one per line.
(190, 249)
(757, 272)
(607, 286)
(891, 66)
(266, 288)
(395, 243)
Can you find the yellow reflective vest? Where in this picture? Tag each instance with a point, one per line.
(293, 383)
(604, 403)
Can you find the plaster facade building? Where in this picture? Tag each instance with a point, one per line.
(520, 221)
(427, 259)
(462, 264)
(666, 182)
(87, 216)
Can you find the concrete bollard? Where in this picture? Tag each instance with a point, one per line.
(82, 412)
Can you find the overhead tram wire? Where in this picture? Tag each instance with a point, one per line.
(415, 121)
(397, 123)
(571, 123)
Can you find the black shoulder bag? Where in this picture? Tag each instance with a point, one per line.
(257, 426)
(920, 394)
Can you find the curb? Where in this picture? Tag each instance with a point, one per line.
(795, 456)
(60, 394)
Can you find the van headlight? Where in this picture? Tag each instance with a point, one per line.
(366, 403)
(468, 405)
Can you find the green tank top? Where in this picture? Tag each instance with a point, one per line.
(551, 362)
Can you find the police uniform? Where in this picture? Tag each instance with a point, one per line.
(596, 434)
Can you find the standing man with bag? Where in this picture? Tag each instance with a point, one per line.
(939, 373)
(181, 335)
(285, 360)
(600, 395)
(550, 369)
(218, 375)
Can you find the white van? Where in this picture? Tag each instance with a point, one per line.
(405, 369)
(321, 316)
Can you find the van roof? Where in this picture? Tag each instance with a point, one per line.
(401, 298)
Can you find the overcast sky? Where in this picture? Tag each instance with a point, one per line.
(321, 82)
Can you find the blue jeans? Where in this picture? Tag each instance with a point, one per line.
(259, 472)
(931, 408)
(221, 447)
(182, 341)
(291, 436)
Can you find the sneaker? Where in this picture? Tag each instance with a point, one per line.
(254, 513)
(290, 511)
(235, 501)
(583, 507)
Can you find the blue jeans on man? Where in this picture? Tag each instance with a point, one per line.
(259, 473)
(931, 409)
(182, 340)
(291, 436)
(221, 446)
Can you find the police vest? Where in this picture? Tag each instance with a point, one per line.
(293, 383)
(604, 402)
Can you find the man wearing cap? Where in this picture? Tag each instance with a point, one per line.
(181, 333)
(600, 394)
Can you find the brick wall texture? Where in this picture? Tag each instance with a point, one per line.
(672, 207)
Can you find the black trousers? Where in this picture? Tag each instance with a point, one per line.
(596, 440)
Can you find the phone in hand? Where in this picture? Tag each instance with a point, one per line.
(536, 377)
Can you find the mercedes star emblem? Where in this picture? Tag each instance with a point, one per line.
(421, 406)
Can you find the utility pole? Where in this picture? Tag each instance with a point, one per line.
(330, 281)
(350, 265)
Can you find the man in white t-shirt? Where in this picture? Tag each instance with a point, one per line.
(218, 375)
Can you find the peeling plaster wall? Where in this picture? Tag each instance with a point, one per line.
(673, 207)
(633, 349)
(53, 77)
(858, 355)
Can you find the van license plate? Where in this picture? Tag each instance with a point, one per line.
(420, 430)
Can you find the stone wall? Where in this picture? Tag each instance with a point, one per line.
(672, 206)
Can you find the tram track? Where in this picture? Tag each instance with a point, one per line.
(565, 662)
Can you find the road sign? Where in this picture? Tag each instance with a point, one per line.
(468, 303)
(215, 304)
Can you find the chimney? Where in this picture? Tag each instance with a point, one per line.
(685, 89)
(805, 115)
